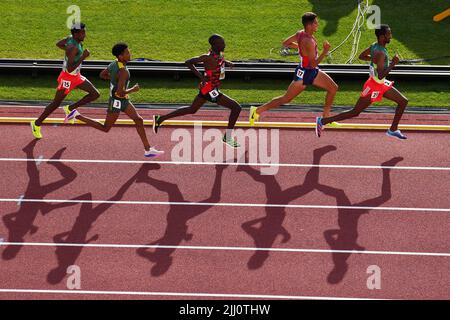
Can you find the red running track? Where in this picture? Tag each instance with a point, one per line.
(215, 249)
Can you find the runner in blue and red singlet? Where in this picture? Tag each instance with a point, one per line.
(307, 73)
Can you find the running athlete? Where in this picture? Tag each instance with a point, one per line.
(70, 77)
(377, 86)
(307, 73)
(119, 76)
(214, 63)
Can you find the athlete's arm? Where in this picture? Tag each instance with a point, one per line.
(62, 44)
(122, 80)
(365, 55)
(379, 60)
(311, 54)
(71, 53)
(105, 75)
(191, 65)
(291, 42)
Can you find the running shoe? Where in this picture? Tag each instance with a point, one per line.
(396, 134)
(153, 153)
(319, 126)
(36, 130)
(70, 115)
(254, 116)
(156, 123)
(230, 142)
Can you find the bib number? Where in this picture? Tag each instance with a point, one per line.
(375, 94)
(300, 73)
(117, 104)
(66, 84)
(214, 94)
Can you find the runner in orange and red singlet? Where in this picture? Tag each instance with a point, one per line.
(70, 78)
(377, 86)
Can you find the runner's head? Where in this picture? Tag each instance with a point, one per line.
(121, 52)
(384, 34)
(78, 31)
(217, 43)
(310, 21)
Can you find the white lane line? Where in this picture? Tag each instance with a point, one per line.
(19, 201)
(211, 248)
(227, 204)
(288, 165)
(39, 160)
(180, 294)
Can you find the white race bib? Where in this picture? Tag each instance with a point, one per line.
(300, 73)
(117, 104)
(214, 94)
(66, 84)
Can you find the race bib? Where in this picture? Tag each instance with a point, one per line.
(117, 104)
(375, 94)
(387, 83)
(214, 94)
(66, 84)
(300, 73)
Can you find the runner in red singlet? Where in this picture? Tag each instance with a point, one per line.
(214, 63)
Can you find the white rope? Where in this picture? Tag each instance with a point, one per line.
(363, 7)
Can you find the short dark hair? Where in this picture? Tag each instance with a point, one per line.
(308, 18)
(77, 27)
(119, 48)
(213, 38)
(382, 30)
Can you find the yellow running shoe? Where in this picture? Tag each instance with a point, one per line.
(68, 117)
(334, 125)
(36, 130)
(254, 116)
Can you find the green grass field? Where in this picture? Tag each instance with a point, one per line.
(429, 94)
(174, 30)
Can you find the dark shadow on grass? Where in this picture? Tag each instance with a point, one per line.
(21, 223)
(332, 11)
(412, 24)
(177, 220)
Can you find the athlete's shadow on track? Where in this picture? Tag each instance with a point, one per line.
(177, 219)
(265, 231)
(67, 256)
(21, 223)
(271, 226)
(345, 238)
